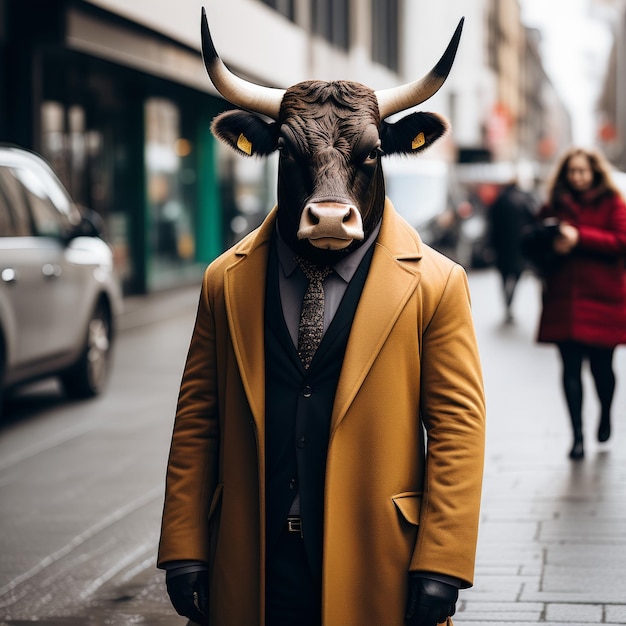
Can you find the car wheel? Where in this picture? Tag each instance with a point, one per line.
(89, 376)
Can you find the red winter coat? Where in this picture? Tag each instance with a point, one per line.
(584, 297)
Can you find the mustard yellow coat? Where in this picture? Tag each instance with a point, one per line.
(411, 363)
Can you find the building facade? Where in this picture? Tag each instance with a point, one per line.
(612, 102)
(114, 94)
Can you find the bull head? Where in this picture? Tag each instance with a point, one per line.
(331, 136)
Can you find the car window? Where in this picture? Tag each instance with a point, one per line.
(47, 219)
(6, 223)
(14, 217)
(56, 193)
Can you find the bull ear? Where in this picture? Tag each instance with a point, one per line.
(413, 133)
(246, 133)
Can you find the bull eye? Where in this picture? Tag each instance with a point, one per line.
(282, 148)
(374, 154)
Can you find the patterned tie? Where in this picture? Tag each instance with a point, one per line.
(311, 326)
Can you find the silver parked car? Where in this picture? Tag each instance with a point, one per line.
(58, 293)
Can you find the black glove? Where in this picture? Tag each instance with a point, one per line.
(430, 602)
(189, 594)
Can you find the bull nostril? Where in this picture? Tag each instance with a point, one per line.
(330, 223)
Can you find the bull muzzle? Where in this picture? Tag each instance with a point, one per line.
(330, 225)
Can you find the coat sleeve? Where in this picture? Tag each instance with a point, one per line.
(192, 466)
(453, 413)
(610, 240)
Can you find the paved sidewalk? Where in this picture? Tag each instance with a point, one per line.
(148, 309)
(552, 547)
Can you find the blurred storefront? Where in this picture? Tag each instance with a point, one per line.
(114, 108)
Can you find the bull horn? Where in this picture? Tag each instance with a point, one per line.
(404, 97)
(237, 91)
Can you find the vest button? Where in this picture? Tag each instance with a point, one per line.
(292, 483)
(307, 391)
(301, 442)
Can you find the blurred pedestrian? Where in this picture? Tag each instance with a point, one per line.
(512, 212)
(584, 297)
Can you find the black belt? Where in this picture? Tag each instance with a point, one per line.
(294, 524)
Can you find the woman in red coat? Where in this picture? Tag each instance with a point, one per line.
(584, 299)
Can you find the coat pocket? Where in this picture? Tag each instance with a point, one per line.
(409, 504)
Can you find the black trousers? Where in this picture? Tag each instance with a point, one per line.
(293, 597)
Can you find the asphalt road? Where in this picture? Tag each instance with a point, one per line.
(81, 484)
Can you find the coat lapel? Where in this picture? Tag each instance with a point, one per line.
(393, 277)
(244, 286)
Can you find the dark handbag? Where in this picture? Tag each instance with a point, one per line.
(538, 245)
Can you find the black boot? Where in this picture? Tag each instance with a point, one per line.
(577, 452)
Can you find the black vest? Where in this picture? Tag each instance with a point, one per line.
(298, 409)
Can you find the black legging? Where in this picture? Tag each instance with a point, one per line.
(601, 365)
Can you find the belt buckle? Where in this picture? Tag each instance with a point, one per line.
(294, 525)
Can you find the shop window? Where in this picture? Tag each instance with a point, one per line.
(54, 139)
(171, 245)
(385, 33)
(68, 146)
(247, 189)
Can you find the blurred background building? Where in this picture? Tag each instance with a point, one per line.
(612, 106)
(115, 96)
